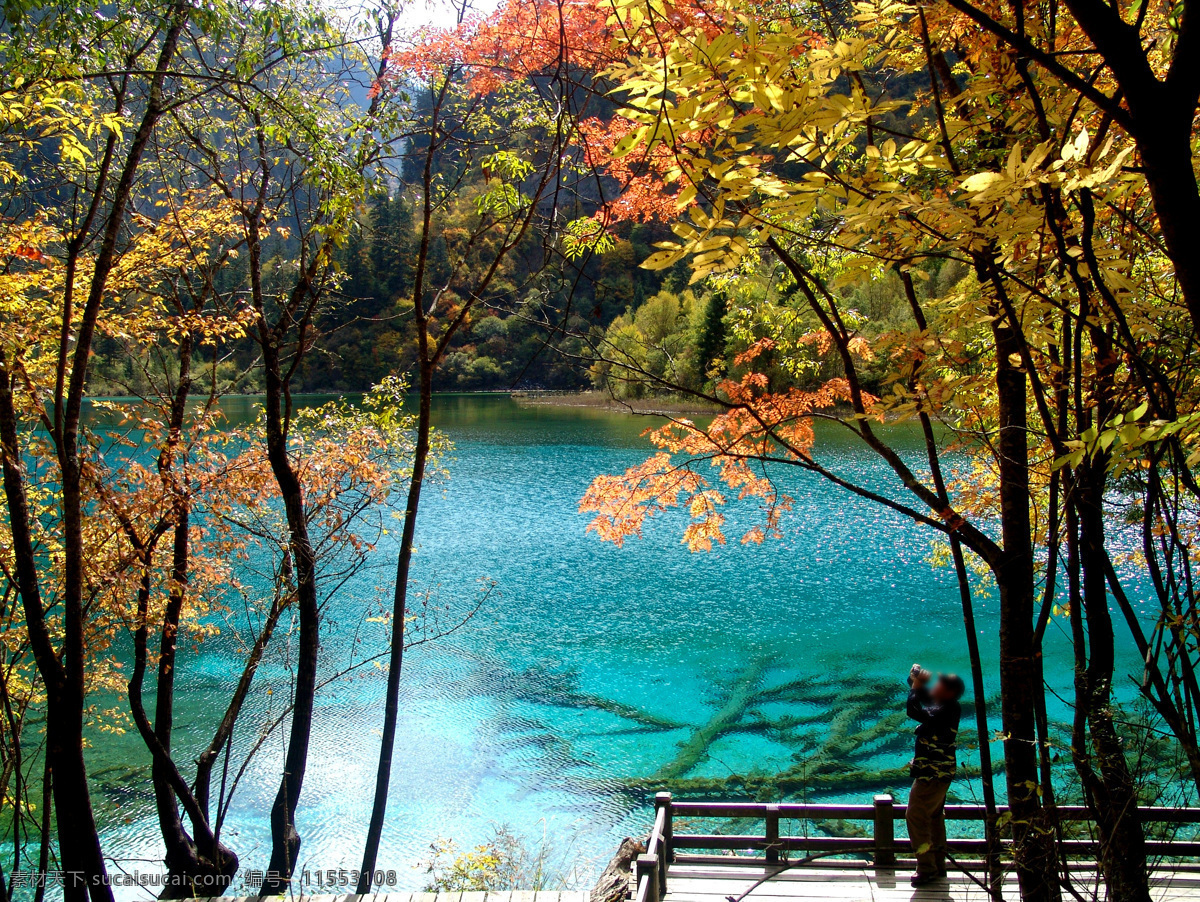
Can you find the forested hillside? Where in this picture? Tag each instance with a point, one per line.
(526, 333)
(548, 322)
(551, 318)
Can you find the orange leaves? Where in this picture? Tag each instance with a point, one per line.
(820, 339)
(739, 445)
(703, 531)
(623, 503)
(519, 40)
(752, 352)
(644, 193)
(350, 459)
(28, 252)
(860, 348)
(951, 518)
(31, 281)
(527, 38)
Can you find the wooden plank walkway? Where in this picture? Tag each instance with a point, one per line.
(715, 881)
(391, 896)
(719, 882)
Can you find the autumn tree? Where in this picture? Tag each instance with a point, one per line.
(97, 160)
(107, 117)
(474, 116)
(296, 181)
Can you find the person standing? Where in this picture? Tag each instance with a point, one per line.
(937, 711)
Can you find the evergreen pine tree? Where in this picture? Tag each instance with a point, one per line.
(710, 345)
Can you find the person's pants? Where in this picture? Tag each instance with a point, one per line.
(927, 824)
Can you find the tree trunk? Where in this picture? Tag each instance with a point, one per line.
(991, 821)
(1033, 841)
(426, 362)
(79, 843)
(1107, 777)
(391, 708)
(285, 841)
(1166, 150)
(199, 866)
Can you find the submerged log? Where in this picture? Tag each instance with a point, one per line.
(727, 718)
(561, 690)
(836, 737)
(628, 712)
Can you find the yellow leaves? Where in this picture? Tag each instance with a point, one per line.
(772, 97)
(1019, 173)
(630, 142)
(982, 181)
(704, 531)
(32, 111)
(788, 105)
(1092, 178)
(772, 128)
(1126, 435)
(623, 503)
(1076, 149)
(1072, 170)
(31, 281)
(861, 348)
(663, 259)
(139, 307)
(885, 151)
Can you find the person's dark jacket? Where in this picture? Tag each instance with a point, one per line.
(937, 735)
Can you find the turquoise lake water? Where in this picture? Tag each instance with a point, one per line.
(500, 723)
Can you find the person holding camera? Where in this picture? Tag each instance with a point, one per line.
(934, 705)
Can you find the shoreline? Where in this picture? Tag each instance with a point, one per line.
(596, 400)
(664, 406)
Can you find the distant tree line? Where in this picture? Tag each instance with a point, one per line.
(514, 339)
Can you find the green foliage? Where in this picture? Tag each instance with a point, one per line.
(586, 235)
(650, 346)
(692, 341)
(711, 336)
(503, 345)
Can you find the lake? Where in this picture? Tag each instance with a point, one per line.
(577, 685)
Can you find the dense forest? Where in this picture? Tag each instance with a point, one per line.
(509, 344)
(547, 315)
(540, 326)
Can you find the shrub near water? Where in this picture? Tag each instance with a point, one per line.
(506, 861)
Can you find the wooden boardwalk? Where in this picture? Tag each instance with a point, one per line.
(864, 865)
(394, 896)
(715, 881)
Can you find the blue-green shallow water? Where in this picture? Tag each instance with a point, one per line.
(489, 733)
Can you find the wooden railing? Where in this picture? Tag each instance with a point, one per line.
(664, 844)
